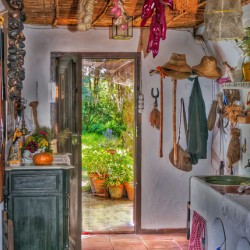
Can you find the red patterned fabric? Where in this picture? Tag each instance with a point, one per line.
(198, 228)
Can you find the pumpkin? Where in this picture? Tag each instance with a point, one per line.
(43, 158)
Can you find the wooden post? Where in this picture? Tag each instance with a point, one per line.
(174, 121)
(161, 117)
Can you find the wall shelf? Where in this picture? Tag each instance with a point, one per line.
(236, 85)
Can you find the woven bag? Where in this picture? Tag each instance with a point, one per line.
(233, 152)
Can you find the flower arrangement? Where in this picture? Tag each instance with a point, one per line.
(35, 141)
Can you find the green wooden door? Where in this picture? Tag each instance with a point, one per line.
(38, 223)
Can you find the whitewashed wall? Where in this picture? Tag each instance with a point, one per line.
(164, 188)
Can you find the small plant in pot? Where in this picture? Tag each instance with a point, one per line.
(129, 181)
(95, 161)
(117, 175)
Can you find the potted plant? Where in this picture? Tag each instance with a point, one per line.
(34, 144)
(96, 162)
(129, 181)
(244, 45)
(117, 175)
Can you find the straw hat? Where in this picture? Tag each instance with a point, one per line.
(176, 74)
(178, 63)
(208, 68)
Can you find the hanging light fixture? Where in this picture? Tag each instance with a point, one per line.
(223, 20)
(123, 31)
(122, 25)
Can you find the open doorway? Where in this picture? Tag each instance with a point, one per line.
(66, 112)
(109, 144)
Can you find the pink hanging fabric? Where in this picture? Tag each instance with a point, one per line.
(198, 228)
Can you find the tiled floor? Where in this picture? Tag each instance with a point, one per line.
(135, 242)
(106, 214)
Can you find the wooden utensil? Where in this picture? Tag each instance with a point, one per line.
(34, 105)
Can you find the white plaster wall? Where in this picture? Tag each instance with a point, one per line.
(164, 188)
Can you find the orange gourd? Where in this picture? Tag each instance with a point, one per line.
(43, 158)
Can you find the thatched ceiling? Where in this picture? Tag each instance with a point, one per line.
(64, 12)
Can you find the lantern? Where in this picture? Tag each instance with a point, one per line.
(122, 28)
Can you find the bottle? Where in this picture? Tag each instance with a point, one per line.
(246, 69)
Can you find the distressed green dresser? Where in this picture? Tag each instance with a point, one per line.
(37, 203)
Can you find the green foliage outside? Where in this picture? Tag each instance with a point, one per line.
(244, 44)
(107, 123)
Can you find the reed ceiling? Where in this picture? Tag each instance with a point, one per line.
(64, 12)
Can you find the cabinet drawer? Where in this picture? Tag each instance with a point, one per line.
(35, 181)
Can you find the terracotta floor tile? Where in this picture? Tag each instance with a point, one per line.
(130, 237)
(101, 245)
(130, 247)
(162, 244)
(95, 238)
(157, 237)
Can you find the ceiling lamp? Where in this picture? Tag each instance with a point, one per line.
(122, 25)
(223, 20)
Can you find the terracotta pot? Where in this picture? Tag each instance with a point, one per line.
(116, 191)
(100, 189)
(92, 176)
(130, 190)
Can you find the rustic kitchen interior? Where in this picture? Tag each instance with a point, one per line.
(186, 100)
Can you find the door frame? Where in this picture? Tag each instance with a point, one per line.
(136, 56)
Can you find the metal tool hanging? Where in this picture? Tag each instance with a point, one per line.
(154, 117)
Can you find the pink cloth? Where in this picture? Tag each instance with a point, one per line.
(198, 228)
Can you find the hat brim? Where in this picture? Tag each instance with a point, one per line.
(214, 74)
(179, 68)
(176, 74)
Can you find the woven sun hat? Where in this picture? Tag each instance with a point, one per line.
(177, 63)
(176, 74)
(208, 68)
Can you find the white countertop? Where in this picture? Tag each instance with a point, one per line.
(36, 167)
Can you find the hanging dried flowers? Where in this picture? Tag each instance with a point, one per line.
(232, 112)
(119, 14)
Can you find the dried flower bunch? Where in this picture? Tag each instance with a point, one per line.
(232, 112)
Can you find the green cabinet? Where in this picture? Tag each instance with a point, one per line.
(37, 203)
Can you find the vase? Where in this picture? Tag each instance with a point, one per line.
(28, 156)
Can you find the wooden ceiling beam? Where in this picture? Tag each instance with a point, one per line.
(104, 11)
(131, 7)
(183, 14)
